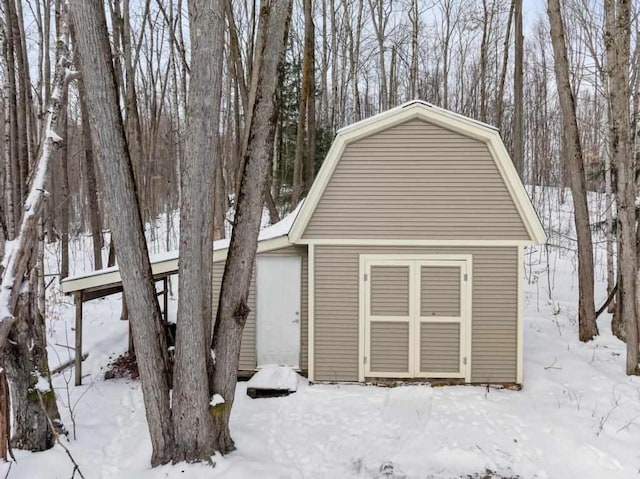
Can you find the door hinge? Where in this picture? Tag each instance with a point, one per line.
(365, 360)
(366, 277)
(465, 276)
(464, 360)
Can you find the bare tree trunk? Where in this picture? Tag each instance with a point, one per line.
(25, 354)
(310, 48)
(498, 113)
(8, 196)
(617, 40)
(63, 207)
(588, 327)
(14, 197)
(25, 358)
(90, 172)
(92, 184)
(233, 309)
(22, 104)
(191, 394)
(518, 92)
(108, 138)
(484, 46)
(414, 19)
(302, 162)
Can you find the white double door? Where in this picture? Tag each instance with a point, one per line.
(417, 316)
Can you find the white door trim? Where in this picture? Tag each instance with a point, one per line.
(414, 262)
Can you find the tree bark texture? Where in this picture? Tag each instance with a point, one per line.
(518, 91)
(588, 327)
(191, 394)
(18, 257)
(233, 308)
(25, 358)
(110, 146)
(617, 39)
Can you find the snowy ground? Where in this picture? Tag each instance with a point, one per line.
(577, 416)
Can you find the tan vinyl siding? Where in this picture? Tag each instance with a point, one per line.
(439, 291)
(439, 347)
(390, 346)
(416, 181)
(248, 347)
(494, 309)
(390, 291)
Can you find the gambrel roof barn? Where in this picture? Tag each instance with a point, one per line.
(405, 260)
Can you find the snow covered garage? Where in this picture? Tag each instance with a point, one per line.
(403, 262)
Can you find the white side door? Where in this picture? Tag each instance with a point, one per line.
(278, 310)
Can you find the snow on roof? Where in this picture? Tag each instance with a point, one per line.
(276, 230)
(168, 260)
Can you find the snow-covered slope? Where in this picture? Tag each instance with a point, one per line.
(578, 415)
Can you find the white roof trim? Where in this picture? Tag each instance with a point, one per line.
(103, 277)
(111, 276)
(425, 111)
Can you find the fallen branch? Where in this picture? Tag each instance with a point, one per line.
(612, 295)
(68, 364)
(552, 365)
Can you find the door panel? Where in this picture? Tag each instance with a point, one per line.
(389, 290)
(390, 346)
(278, 310)
(439, 291)
(440, 347)
(440, 319)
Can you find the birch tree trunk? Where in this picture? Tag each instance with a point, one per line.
(233, 309)
(588, 328)
(108, 138)
(25, 354)
(191, 394)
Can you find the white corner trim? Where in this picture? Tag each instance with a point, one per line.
(362, 352)
(449, 120)
(311, 333)
(469, 315)
(520, 319)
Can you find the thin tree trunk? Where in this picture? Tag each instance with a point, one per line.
(588, 327)
(92, 184)
(13, 169)
(498, 113)
(518, 92)
(63, 207)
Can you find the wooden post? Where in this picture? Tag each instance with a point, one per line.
(78, 301)
(165, 303)
(5, 426)
(125, 311)
(132, 349)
